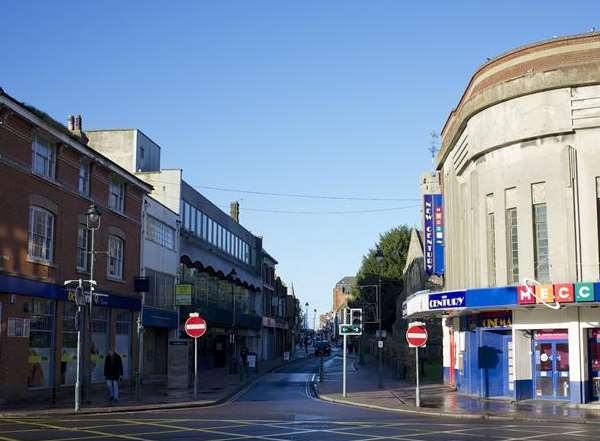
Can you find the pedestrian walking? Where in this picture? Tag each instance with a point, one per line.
(113, 371)
(244, 370)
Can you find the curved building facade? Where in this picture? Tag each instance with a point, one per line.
(519, 170)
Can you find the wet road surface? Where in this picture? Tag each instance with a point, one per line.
(281, 407)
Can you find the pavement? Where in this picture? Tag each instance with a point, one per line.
(436, 399)
(214, 386)
(282, 406)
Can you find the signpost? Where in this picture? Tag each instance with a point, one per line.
(195, 327)
(416, 336)
(346, 330)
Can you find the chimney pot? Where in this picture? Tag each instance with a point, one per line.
(71, 123)
(234, 210)
(78, 123)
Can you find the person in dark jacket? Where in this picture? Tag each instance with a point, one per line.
(113, 371)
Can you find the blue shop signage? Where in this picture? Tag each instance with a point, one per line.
(447, 300)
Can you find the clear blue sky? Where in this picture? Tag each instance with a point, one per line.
(319, 97)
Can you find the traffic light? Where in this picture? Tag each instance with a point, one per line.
(356, 317)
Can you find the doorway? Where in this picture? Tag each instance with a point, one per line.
(551, 365)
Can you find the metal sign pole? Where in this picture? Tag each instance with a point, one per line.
(344, 369)
(79, 357)
(417, 391)
(195, 369)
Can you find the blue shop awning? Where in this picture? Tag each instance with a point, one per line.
(159, 318)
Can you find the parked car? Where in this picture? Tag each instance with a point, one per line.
(322, 347)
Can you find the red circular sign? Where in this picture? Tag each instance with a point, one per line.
(195, 326)
(416, 336)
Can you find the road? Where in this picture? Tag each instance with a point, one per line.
(281, 407)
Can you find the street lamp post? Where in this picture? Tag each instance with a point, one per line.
(306, 317)
(379, 258)
(93, 216)
(231, 275)
(315, 319)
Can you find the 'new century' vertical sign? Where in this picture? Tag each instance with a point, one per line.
(434, 233)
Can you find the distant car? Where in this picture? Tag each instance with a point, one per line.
(322, 347)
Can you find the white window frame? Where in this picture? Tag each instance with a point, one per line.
(84, 178)
(46, 236)
(116, 250)
(43, 160)
(116, 201)
(83, 251)
(160, 233)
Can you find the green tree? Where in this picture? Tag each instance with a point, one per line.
(394, 247)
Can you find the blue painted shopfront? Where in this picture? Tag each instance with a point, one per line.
(486, 361)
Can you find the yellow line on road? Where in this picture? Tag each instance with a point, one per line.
(74, 429)
(206, 430)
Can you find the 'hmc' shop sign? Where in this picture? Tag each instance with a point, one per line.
(434, 233)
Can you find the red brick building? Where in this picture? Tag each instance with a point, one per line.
(48, 179)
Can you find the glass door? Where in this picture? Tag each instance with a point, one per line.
(551, 360)
(594, 357)
(561, 370)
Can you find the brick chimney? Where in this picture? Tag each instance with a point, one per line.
(234, 210)
(75, 126)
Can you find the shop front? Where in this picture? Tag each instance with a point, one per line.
(517, 343)
(159, 326)
(38, 342)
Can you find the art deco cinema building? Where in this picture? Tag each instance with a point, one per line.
(519, 173)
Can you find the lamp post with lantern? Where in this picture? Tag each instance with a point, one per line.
(93, 217)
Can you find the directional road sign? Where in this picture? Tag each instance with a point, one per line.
(416, 336)
(195, 326)
(350, 329)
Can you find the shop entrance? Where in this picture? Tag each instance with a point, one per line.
(551, 364)
(594, 357)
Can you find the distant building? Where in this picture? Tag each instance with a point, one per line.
(342, 292)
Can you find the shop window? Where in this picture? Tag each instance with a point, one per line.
(68, 357)
(41, 343)
(99, 343)
(123, 340)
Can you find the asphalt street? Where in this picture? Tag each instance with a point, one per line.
(281, 406)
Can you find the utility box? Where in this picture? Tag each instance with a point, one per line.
(178, 367)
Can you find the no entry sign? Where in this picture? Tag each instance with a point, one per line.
(416, 336)
(195, 326)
